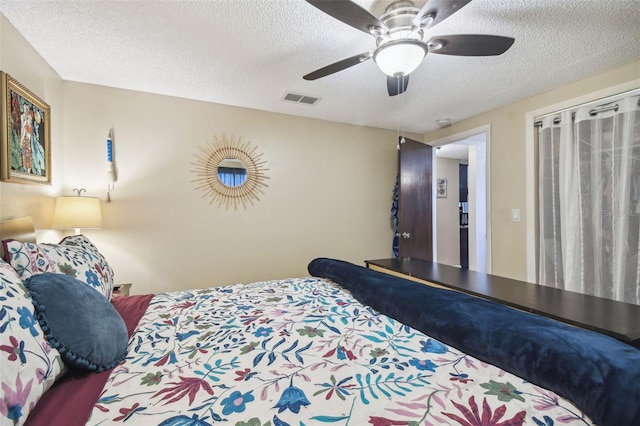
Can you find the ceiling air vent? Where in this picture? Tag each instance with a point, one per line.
(301, 99)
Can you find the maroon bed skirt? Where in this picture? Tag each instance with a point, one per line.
(70, 400)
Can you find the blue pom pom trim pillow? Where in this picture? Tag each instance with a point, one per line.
(78, 321)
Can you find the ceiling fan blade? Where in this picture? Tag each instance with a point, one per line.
(440, 10)
(338, 66)
(348, 12)
(397, 85)
(469, 44)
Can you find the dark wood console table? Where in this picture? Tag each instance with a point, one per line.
(616, 319)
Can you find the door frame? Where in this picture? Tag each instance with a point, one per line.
(486, 129)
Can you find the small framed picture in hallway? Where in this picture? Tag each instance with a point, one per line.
(441, 188)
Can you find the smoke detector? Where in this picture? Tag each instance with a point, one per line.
(443, 122)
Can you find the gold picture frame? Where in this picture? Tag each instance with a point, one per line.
(25, 140)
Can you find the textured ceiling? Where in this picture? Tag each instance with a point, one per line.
(249, 53)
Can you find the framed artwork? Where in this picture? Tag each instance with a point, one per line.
(26, 135)
(441, 188)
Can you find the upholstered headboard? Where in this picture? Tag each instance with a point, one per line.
(19, 229)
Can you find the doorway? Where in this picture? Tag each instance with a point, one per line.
(469, 149)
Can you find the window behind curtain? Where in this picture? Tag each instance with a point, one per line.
(589, 199)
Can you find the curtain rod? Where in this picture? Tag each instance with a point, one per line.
(600, 108)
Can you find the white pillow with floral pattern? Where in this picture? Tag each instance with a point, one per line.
(75, 256)
(29, 366)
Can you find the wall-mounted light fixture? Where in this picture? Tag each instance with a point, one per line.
(77, 212)
(111, 171)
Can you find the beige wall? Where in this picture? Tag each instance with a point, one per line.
(329, 194)
(18, 59)
(447, 213)
(511, 129)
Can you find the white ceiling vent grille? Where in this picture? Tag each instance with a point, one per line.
(301, 99)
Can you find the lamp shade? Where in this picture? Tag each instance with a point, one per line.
(400, 57)
(77, 212)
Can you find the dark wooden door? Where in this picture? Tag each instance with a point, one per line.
(414, 201)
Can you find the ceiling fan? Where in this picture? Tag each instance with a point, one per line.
(400, 37)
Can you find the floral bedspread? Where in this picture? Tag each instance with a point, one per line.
(304, 352)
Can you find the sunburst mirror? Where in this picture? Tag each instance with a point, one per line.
(231, 172)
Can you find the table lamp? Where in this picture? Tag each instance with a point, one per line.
(77, 212)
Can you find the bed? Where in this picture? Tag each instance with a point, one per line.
(343, 346)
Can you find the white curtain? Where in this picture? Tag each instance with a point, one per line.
(589, 198)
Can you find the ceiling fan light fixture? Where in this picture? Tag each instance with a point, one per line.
(400, 57)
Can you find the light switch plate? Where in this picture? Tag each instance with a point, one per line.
(515, 215)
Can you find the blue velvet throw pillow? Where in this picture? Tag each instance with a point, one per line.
(599, 374)
(78, 321)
